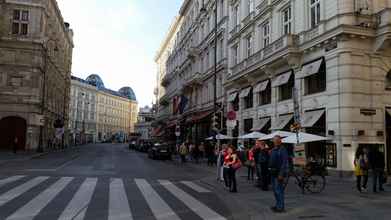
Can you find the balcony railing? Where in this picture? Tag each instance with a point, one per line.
(285, 42)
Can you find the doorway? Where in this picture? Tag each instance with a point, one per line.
(11, 127)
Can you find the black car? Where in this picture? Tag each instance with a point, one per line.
(160, 151)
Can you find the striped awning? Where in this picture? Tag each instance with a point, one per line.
(281, 79)
(261, 86)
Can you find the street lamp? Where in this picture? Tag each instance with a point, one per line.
(43, 101)
(215, 110)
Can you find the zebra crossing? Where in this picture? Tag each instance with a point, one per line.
(41, 191)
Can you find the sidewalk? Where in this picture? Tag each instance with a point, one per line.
(339, 200)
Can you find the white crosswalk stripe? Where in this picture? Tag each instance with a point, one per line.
(196, 206)
(10, 180)
(77, 207)
(118, 202)
(195, 187)
(159, 207)
(31, 209)
(17, 191)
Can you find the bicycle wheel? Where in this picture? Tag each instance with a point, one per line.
(315, 183)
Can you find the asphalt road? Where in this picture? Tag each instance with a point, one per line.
(105, 181)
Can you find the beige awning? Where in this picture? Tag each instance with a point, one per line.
(245, 92)
(261, 124)
(261, 86)
(389, 111)
(232, 97)
(281, 122)
(310, 118)
(311, 68)
(281, 79)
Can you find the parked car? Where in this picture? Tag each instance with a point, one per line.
(160, 151)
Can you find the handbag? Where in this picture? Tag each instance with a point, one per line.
(237, 165)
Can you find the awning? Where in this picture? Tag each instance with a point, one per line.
(199, 116)
(281, 79)
(281, 122)
(261, 86)
(389, 111)
(245, 92)
(232, 97)
(311, 68)
(310, 118)
(261, 124)
(302, 138)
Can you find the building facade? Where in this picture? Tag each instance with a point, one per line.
(35, 70)
(98, 114)
(332, 57)
(186, 70)
(143, 126)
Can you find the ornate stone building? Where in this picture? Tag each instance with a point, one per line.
(185, 62)
(99, 114)
(333, 57)
(143, 126)
(35, 69)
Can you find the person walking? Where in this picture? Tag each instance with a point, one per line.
(279, 167)
(232, 162)
(264, 157)
(220, 161)
(183, 151)
(361, 165)
(377, 164)
(15, 145)
(250, 163)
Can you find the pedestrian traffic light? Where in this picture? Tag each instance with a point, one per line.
(216, 121)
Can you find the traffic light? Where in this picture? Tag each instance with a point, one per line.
(216, 121)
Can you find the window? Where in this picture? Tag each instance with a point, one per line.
(265, 96)
(20, 22)
(221, 49)
(315, 12)
(235, 55)
(266, 33)
(317, 82)
(221, 9)
(285, 90)
(248, 125)
(287, 21)
(250, 6)
(249, 42)
(248, 100)
(388, 81)
(235, 17)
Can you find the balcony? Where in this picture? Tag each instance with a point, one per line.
(278, 48)
(194, 80)
(165, 81)
(193, 53)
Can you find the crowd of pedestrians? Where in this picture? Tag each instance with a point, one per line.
(269, 165)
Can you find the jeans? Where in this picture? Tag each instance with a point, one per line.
(250, 172)
(364, 179)
(232, 179)
(377, 178)
(278, 190)
(226, 176)
(265, 177)
(258, 174)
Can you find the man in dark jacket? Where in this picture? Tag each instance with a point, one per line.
(377, 163)
(264, 158)
(279, 166)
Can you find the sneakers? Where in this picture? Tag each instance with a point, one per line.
(277, 210)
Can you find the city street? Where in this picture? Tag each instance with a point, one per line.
(107, 181)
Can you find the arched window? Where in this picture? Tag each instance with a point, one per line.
(388, 80)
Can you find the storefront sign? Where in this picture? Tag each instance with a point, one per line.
(300, 157)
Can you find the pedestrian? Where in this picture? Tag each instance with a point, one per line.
(264, 157)
(233, 163)
(279, 167)
(250, 163)
(183, 151)
(361, 165)
(201, 150)
(377, 164)
(220, 161)
(15, 145)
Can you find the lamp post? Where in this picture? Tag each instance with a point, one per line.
(43, 100)
(215, 110)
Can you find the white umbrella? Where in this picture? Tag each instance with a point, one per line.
(303, 138)
(276, 133)
(252, 135)
(219, 137)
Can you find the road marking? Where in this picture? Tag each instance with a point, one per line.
(77, 207)
(195, 187)
(200, 209)
(17, 191)
(31, 209)
(118, 202)
(159, 208)
(54, 169)
(10, 180)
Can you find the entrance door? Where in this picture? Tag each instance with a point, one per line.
(11, 127)
(388, 141)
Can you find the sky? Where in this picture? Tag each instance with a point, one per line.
(118, 40)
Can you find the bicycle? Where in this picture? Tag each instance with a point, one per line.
(312, 178)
